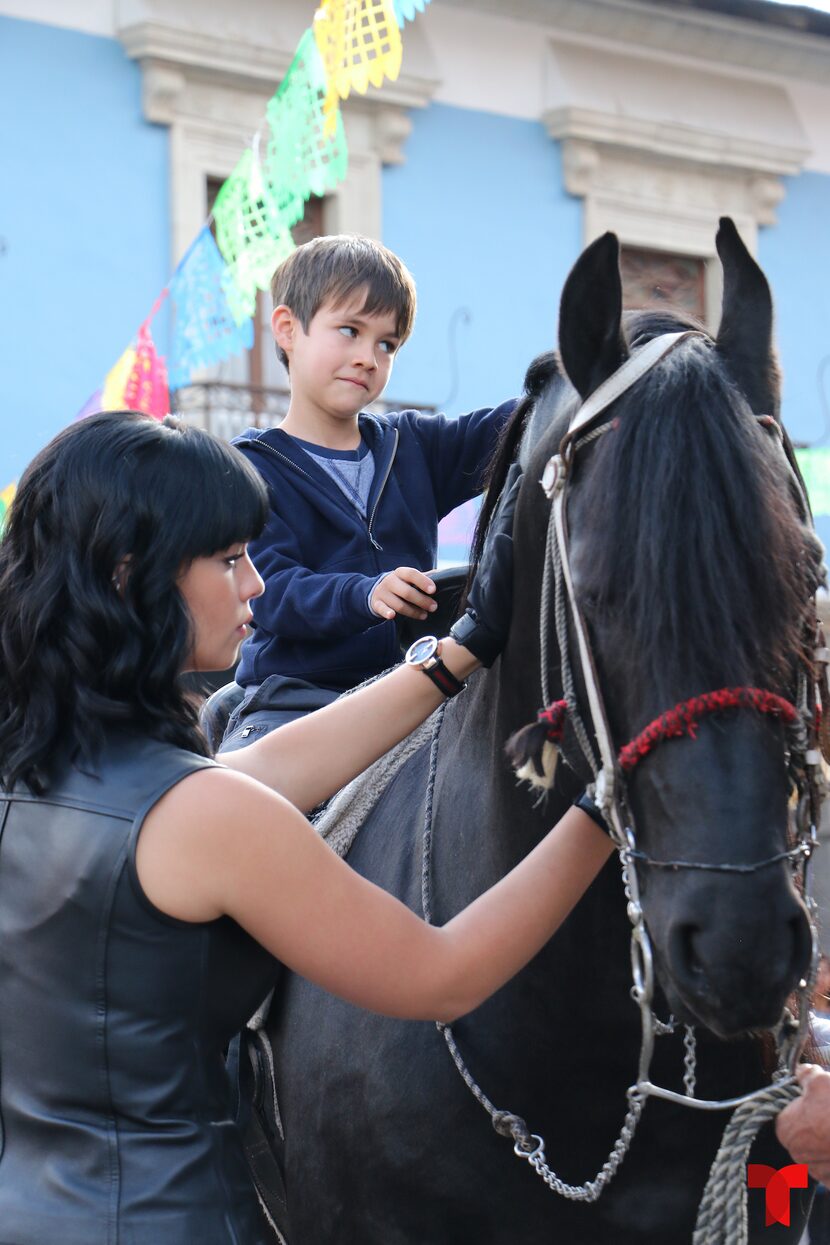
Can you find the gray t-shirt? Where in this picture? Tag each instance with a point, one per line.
(352, 470)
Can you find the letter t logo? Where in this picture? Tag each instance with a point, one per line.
(777, 1184)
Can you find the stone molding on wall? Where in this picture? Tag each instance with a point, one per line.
(656, 175)
(714, 38)
(212, 90)
(674, 184)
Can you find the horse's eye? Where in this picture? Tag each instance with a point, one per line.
(593, 605)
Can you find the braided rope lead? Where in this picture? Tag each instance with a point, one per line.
(722, 1217)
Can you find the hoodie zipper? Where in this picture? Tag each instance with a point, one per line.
(284, 458)
(380, 491)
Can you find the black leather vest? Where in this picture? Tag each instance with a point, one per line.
(115, 1125)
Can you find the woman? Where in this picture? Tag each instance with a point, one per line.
(148, 894)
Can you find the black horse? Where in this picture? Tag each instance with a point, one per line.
(694, 568)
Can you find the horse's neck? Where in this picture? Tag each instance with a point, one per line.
(476, 785)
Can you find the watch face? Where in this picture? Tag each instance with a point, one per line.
(422, 650)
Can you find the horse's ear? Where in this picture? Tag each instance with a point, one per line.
(591, 341)
(745, 333)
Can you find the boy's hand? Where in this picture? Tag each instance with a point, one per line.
(403, 591)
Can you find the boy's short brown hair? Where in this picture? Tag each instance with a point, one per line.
(337, 266)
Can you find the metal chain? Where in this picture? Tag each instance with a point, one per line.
(591, 1190)
(689, 1060)
(526, 1145)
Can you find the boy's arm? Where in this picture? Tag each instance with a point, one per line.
(298, 602)
(460, 449)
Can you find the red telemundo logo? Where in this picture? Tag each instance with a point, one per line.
(776, 1183)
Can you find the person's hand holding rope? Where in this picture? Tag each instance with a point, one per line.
(803, 1127)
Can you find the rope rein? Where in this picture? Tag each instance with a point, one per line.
(722, 1216)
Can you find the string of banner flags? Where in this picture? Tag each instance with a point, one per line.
(298, 152)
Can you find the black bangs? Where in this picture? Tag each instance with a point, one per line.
(222, 500)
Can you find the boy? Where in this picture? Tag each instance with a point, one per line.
(355, 498)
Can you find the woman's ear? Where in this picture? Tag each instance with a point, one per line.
(121, 574)
(284, 327)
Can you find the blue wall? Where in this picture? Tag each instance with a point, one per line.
(474, 236)
(84, 223)
(795, 254)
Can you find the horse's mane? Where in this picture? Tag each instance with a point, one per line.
(699, 545)
(712, 567)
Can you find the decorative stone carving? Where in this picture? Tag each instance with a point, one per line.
(651, 26)
(658, 153)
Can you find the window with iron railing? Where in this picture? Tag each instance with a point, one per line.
(227, 408)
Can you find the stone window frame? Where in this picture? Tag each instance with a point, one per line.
(212, 95)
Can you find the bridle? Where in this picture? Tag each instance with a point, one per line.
(609, 767)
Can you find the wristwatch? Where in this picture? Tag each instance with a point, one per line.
(425, 654)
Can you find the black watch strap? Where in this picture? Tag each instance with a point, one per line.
(425, 654)
(444, 679)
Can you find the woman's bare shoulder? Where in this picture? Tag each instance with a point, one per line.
(189, 839)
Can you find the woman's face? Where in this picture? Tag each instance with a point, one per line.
(217, 590)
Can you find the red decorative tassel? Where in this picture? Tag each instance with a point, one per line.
(526, 749)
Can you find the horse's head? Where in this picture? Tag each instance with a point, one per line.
(693, 569)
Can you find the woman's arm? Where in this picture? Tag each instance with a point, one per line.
(308, 760)
(219, 844)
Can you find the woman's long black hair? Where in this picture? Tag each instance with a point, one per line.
(93, 629)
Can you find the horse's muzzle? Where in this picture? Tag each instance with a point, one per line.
(730, 964)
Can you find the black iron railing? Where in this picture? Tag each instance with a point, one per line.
(227, 408)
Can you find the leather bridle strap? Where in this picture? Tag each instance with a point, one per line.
(639, 362)
(554, 483)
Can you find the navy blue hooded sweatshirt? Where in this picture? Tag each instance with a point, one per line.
(319, 557)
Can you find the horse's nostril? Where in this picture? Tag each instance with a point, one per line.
(690, 958)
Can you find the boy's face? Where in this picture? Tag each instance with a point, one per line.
(343, 362)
